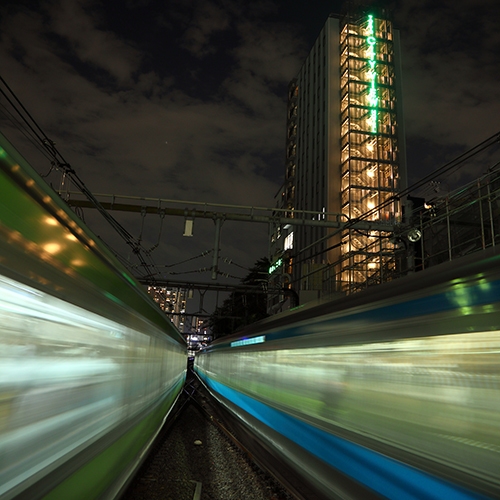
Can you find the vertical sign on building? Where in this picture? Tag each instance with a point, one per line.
(369, 154)
(372, 74)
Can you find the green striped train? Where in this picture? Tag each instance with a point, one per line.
(89, 365)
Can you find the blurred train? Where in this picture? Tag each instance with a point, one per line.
(89, 365)
(393, 392)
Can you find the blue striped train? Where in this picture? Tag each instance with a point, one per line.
(393, 392)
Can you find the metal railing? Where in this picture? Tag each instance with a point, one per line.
(465, 221)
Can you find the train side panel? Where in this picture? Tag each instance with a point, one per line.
(407, 384)
(89, 365)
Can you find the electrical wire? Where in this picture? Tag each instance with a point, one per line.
(61, 164)
(455, 163)
(32, 138)
(227, 260)
(202, 254)
(446, 168)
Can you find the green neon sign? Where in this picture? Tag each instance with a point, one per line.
(275, 266)
(372, 74)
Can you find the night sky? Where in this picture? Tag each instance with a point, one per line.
(185, 99)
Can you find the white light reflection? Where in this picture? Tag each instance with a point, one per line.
(414, 393)
(67, 375)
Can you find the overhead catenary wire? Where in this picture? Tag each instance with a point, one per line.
(447, 167)
(456, 163)
(229, 261)
(33, 130)
(60, 163)
(202, 254)
(28, 134)
(23, 118)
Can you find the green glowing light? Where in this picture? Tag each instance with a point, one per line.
(488, 308)
(275, 266)
(484, 285)
(372, 74)
(129, 279)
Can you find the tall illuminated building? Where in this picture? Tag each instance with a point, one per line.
(345, 154)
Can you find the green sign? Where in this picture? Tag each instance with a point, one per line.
(372, 74)
(275, 266)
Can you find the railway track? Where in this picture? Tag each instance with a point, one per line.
(200, 457)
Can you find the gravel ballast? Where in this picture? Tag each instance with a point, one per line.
(197, 461)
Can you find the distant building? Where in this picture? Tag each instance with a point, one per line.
(173, 302)
(345, 154)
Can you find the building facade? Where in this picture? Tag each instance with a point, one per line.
(345, 155)
(173, 302)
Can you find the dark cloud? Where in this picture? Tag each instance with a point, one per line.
(208, 21)
(450, 79)
(186, 99)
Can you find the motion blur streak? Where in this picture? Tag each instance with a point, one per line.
(409, 370)
(67, 376)
(89, 366)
